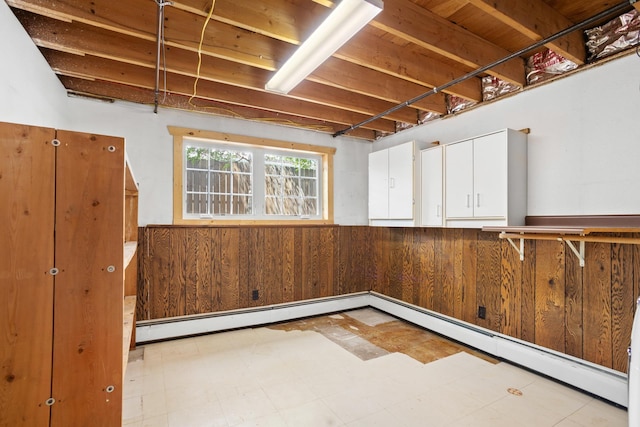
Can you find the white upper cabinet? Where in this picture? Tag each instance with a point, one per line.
(486, 180)
(379, 184)
(431, 183)
(392, 185)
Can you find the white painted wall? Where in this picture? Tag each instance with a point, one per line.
(584, 146)
(150, 151)
(29, 92)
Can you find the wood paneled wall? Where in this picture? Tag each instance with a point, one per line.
(547, 299)
(194, 270)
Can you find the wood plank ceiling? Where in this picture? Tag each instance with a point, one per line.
(109, 49)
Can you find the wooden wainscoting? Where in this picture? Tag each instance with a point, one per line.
(193, 270)
(547, 299)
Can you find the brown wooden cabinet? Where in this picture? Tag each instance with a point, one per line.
(62, 269)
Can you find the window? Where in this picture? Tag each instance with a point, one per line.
(219, 181)
(221, 178)
(291, 185)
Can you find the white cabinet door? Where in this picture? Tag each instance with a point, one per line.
(432, 212)
(459, 179)
(490, 176)
(379, 184)
(401, 181)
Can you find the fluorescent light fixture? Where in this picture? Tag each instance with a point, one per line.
(343, 23)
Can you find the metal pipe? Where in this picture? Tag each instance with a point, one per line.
(160, 38)
(619, 8)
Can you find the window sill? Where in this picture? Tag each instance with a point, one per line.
(250, 222)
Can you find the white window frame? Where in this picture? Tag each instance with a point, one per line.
(259, 147)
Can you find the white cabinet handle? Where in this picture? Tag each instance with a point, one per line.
(438, 211)
(468, 197)
(478, 200)
(392, 183)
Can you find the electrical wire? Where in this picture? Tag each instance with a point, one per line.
(204, 27)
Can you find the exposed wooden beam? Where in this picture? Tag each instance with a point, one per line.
(411, 22)
(356, 78)
(114, 91)
(182, 29)
(103, 69)
(537, 20)
(282, 20)
(408, 63)
(105, 44)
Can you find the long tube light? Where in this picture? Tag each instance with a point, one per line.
(343, 23)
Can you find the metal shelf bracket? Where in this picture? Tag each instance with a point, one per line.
(519, 249)
(579, 253)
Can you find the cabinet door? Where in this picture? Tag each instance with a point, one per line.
(490, 175)
(431, 187)
(27, 161)
(401, 181)
(459, 179)
(379, 184)
(87, 344)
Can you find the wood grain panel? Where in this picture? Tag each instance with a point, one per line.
(181, 264)
(636, 271)
(573, 305)
(143, 305)
(426, 257)
(622, 303)
(458, 289)
(245, 277)
(488, 277)
(288, 266)
(511, 291)
(549, 294)
(159, 273)
(27, 161)
(380, 262)
(297, 266)
(226, 258)
(362, 260)
(270, 283)
(408, 277)
(396, 242)
(597, 304)
(88, 294)
(439, 245)
(309, 263)
(325, 260)
(447, 271)
(528, 307)
(202, 274)
(469, 274)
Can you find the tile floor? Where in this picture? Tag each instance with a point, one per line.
(302, 378)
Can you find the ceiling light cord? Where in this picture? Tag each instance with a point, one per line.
(204, 27)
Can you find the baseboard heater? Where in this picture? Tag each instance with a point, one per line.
(606, 383)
